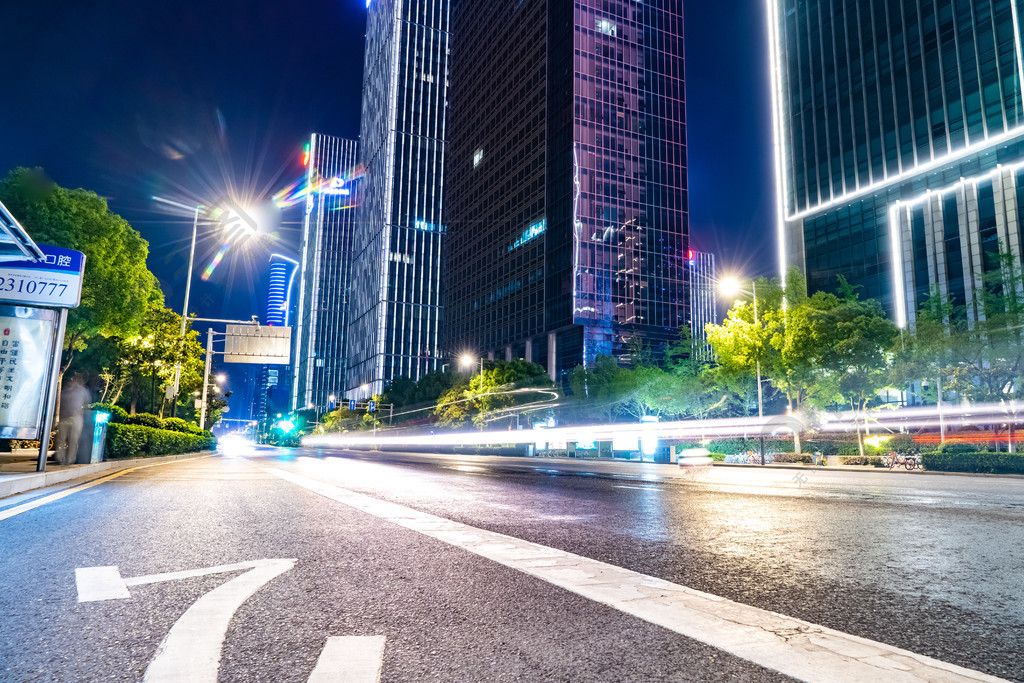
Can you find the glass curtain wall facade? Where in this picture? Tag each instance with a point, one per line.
(703, 299)
(319, 331)
(396, 303)
(878, 104)
(567, 208)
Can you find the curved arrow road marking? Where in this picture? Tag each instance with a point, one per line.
(191, 651)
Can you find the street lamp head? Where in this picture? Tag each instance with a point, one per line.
(729, 286)
(466, 360)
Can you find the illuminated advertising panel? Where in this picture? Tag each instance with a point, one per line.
(26, 340)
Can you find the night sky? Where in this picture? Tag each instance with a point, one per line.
(189, 99)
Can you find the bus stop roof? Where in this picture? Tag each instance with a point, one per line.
(15, 244)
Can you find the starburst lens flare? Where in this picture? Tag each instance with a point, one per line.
(313, 183)
(208, 271)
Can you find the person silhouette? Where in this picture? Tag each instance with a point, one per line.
(73, 400)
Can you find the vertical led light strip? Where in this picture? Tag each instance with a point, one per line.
(896, 248)
(774, 67)
(297, 345)
(1017, 48)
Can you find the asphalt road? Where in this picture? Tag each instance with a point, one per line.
(928, 564)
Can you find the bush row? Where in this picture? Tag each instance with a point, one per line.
(119, 415)
(777, 445)
(132, 441)
(981, 462)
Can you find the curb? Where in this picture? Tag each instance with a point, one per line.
(13, 484)
(864, 468)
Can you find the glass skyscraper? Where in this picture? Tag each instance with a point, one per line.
(396, 304)
(319, 331)
(566, 200)
(899, 129)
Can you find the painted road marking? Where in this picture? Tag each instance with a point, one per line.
(353, 659)
(39, 502)
(790, 646)
(191, 651)
(100, 583)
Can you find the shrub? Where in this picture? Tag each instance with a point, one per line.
(195, 429)
(871, 460)
(146, 420)
(794, 457)
(176, 424)
(902, 444)
(980, 462)
(128, 441)
(957, 447)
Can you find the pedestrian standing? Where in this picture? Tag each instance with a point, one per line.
(73, 400)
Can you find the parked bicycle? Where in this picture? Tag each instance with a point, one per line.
(894, 459)
(820, 460)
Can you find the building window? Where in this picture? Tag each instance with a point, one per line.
(607, 27)
(478, 156)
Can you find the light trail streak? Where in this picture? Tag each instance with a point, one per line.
(692, 430)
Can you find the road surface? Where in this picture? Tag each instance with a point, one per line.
(266, 564)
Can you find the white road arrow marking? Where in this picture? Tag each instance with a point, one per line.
(352, 659)
(191, 651)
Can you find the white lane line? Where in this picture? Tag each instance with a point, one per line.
(191, 651)
(192, 573)
(100, 583)
(790, 646)
(39, 502)
(352, 659)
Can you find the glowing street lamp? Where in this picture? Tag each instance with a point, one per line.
(467, 360)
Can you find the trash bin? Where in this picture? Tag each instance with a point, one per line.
(94, 437)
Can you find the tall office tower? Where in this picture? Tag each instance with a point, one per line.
(900, 135)
(703, 299)
(272, 392)
(319, 331)
(396, 303)
(566, 200)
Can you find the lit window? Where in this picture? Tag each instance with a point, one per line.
(607, 27)
(478, 156)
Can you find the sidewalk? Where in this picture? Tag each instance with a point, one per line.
(859, 468)
(19, 477)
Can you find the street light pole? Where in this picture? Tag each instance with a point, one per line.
(184, 312)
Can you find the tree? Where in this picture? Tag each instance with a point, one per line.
(117, 288)
(491, 394)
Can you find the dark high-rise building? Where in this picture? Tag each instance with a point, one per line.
(319, 330)
(566, 200)
(900, 134)
(396, 303)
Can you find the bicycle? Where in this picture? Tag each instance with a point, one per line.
(910, 462)
(820, 460)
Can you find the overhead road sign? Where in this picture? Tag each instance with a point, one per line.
(53, 281)
(260, 344)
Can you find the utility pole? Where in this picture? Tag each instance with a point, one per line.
(206, 376)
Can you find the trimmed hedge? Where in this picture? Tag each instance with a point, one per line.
(978, 462)
(146, 420)
(176, 424)
(776, 445)
(133, 441)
